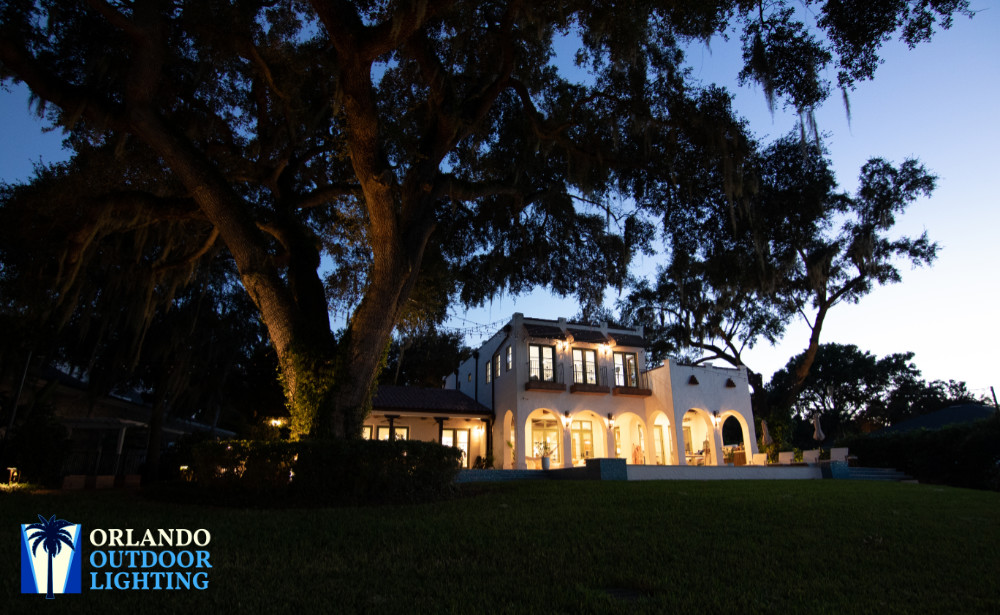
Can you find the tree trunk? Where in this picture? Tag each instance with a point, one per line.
(50, 593)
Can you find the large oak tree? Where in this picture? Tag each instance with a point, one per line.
(425, 146)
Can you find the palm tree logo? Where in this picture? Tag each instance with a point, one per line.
(52, 535)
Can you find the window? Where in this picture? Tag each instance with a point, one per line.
(658, 444)
(543, 430)
(542, 362)
(584, 366)
(468, 378)
(489, 373)
(459, 438)
(618, 442)
(402, 433)
(366, 432)
(496, 365)
(582, 433)
(510, 358)
(626, 369)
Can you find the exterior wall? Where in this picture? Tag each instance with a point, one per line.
(649, 422)
(426, 428)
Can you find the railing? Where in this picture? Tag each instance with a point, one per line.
(631, 379)
(589, 374)
(545, 371)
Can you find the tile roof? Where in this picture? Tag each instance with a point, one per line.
(584, 335)
(431, 400)
(550, 332)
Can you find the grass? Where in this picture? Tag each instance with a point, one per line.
(573, 547)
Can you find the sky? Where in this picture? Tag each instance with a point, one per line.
(937, 102)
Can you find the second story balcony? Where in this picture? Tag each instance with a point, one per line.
(629, 383)
(545, 375)
(588, 379)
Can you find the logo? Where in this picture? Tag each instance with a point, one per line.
(50, 557)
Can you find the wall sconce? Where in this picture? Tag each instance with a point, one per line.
(715, 418)
(566, 421)
(611, 421)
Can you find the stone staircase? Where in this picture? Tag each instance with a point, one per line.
(883, 474)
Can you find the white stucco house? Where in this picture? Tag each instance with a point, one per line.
(579, 391)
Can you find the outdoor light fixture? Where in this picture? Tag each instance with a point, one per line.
(566, 420)
(13, 476)
(715, 417)
(611, 420)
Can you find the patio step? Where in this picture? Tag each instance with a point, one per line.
(883, 474)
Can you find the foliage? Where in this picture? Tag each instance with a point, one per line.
(424, 357)
(37, 447)
(739, 272)
(854, 391)
(428, 150)
(317, 472)
(965, 455)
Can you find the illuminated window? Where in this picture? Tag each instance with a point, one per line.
(402, 433)
(582, 433)
(469, 377)
(496, 365)
(366, 432)
(626, 369)
(584, 366)
(459, 438)
(546, 431)
(541, 362)
(489, 373)
(510, 358)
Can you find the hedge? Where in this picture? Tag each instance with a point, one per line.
(326, 472)
(966, 455)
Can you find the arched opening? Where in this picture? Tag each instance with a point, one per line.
(699, 438)
(587, 437)
(663, 453)
(630, 438)
(542, 435)
(735, 436)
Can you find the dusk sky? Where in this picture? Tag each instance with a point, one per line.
(937, 103)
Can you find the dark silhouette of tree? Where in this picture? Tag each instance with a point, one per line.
(855, 391)
(52, 535)
(378, 133)
(740, 271)
(424, 358)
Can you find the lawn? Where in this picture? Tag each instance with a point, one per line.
(574, 547)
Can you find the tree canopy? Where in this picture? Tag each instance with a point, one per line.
(427, 149)
(738, 273)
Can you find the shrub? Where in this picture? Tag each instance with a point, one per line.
(965, 455)
(326, 471)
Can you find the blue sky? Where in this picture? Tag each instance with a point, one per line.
(937, 102)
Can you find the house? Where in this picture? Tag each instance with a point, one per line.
(576, 391)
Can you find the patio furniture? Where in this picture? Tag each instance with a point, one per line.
(786, 458)
(760, 459)
(810, 456)
(838, 454)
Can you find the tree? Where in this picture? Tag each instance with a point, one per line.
(383, 132)
(52, 535)
(855, 391)
(424, 358)
(740, 271)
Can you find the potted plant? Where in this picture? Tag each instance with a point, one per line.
(544, 450)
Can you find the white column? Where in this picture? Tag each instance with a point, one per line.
(519, 444)
(567, 445)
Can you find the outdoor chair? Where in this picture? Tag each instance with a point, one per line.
(810, 456)
(760, 459)
(786, 458)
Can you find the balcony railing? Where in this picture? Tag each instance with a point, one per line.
(632, 384)
(545, 376)
(589, 379)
